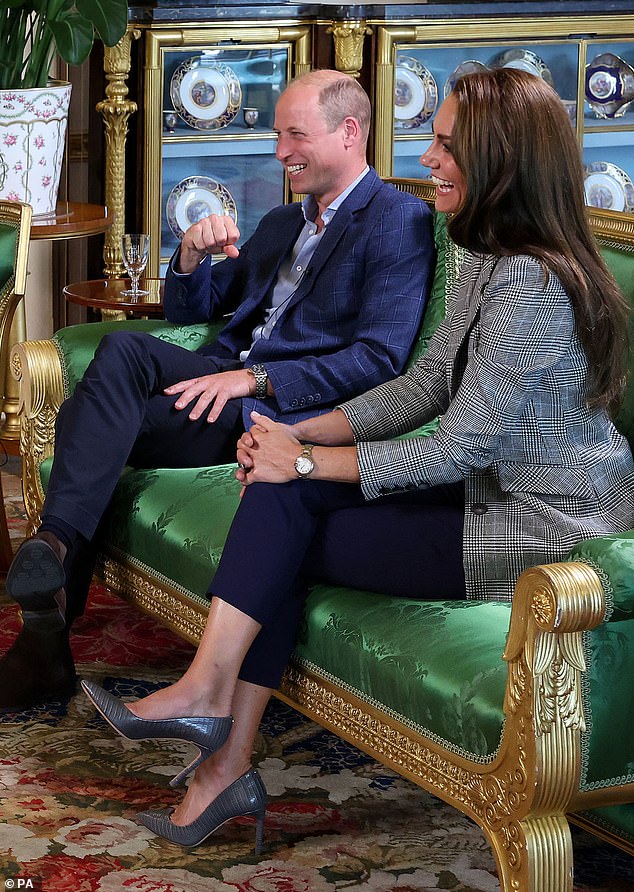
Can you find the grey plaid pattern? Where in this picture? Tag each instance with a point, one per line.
(507, 373)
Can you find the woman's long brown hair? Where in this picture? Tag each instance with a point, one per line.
(513, 141)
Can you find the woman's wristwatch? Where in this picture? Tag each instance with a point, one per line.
(304, 464)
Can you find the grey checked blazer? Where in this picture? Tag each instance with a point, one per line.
(507, 373)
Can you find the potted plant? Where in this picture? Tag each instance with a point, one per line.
(33, 108)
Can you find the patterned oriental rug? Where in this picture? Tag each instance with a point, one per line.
(70, 789)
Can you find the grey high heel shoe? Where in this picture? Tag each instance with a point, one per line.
(209, 733)
(244, 797)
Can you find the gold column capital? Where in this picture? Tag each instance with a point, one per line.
(348, 37)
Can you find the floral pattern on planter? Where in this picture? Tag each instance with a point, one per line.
(32, 135)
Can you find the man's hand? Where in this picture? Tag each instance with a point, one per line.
(211, 235)
(217, 389)
(267, 452)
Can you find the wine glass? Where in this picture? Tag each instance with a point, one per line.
(135, 248)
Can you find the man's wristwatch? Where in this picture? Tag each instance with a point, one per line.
(261, 381)
(304, 464)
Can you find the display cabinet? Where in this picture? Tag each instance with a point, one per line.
(209, 101)
(593, 75)
(203, 89)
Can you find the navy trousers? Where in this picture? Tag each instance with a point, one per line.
(118, 415)
(283, 535)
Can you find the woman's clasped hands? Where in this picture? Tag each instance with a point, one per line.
(266, 453)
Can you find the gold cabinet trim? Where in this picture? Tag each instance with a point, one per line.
(484, 31)
(296, 38)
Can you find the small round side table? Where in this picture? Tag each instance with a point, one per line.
(106, 296)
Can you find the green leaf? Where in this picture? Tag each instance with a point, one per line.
(68, 27)
(73, 37)
(109, 18)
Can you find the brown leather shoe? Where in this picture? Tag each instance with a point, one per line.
(37, 669)
(36, 581)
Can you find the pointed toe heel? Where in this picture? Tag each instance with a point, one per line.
(208, 733)
(245, 797)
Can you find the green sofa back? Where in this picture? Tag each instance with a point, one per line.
(620, 261)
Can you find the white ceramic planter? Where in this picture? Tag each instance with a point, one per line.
(32, 138)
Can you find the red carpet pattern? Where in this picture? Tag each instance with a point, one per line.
(70, 789)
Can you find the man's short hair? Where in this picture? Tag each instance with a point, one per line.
(340, 96)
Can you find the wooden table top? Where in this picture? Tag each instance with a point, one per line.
(72, 219)
(105, 294)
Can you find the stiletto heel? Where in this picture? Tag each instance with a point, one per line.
(245, 797)
(205, 752)
(259, 831)
(208, 733)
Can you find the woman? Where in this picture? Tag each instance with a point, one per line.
(525, 462)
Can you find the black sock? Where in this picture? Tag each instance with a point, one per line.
(66, 534)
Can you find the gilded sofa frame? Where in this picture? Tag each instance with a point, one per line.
(15, 221)
(17, 216)
(521, 799)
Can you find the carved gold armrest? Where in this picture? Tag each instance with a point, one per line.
(37, 366)
(553, 606)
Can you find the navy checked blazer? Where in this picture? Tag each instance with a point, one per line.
(507, 372)
(353, 318)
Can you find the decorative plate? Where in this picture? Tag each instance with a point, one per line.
(524, 60)
(469, 66)
(194, 198)
(609, 85)
(206, 94)
(608, 187)
(415, 93)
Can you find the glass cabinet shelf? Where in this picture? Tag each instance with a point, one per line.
(209, 112)
(593, 77)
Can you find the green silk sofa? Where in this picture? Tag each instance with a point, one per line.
(519, 715)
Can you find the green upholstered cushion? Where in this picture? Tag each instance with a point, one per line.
(435, 665)
(613, 558)
(615, 819)
(8, 246)
(173, 522)
(448, 259)
(608, 744)
(77, 343)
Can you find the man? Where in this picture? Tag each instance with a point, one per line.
(326, 298)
